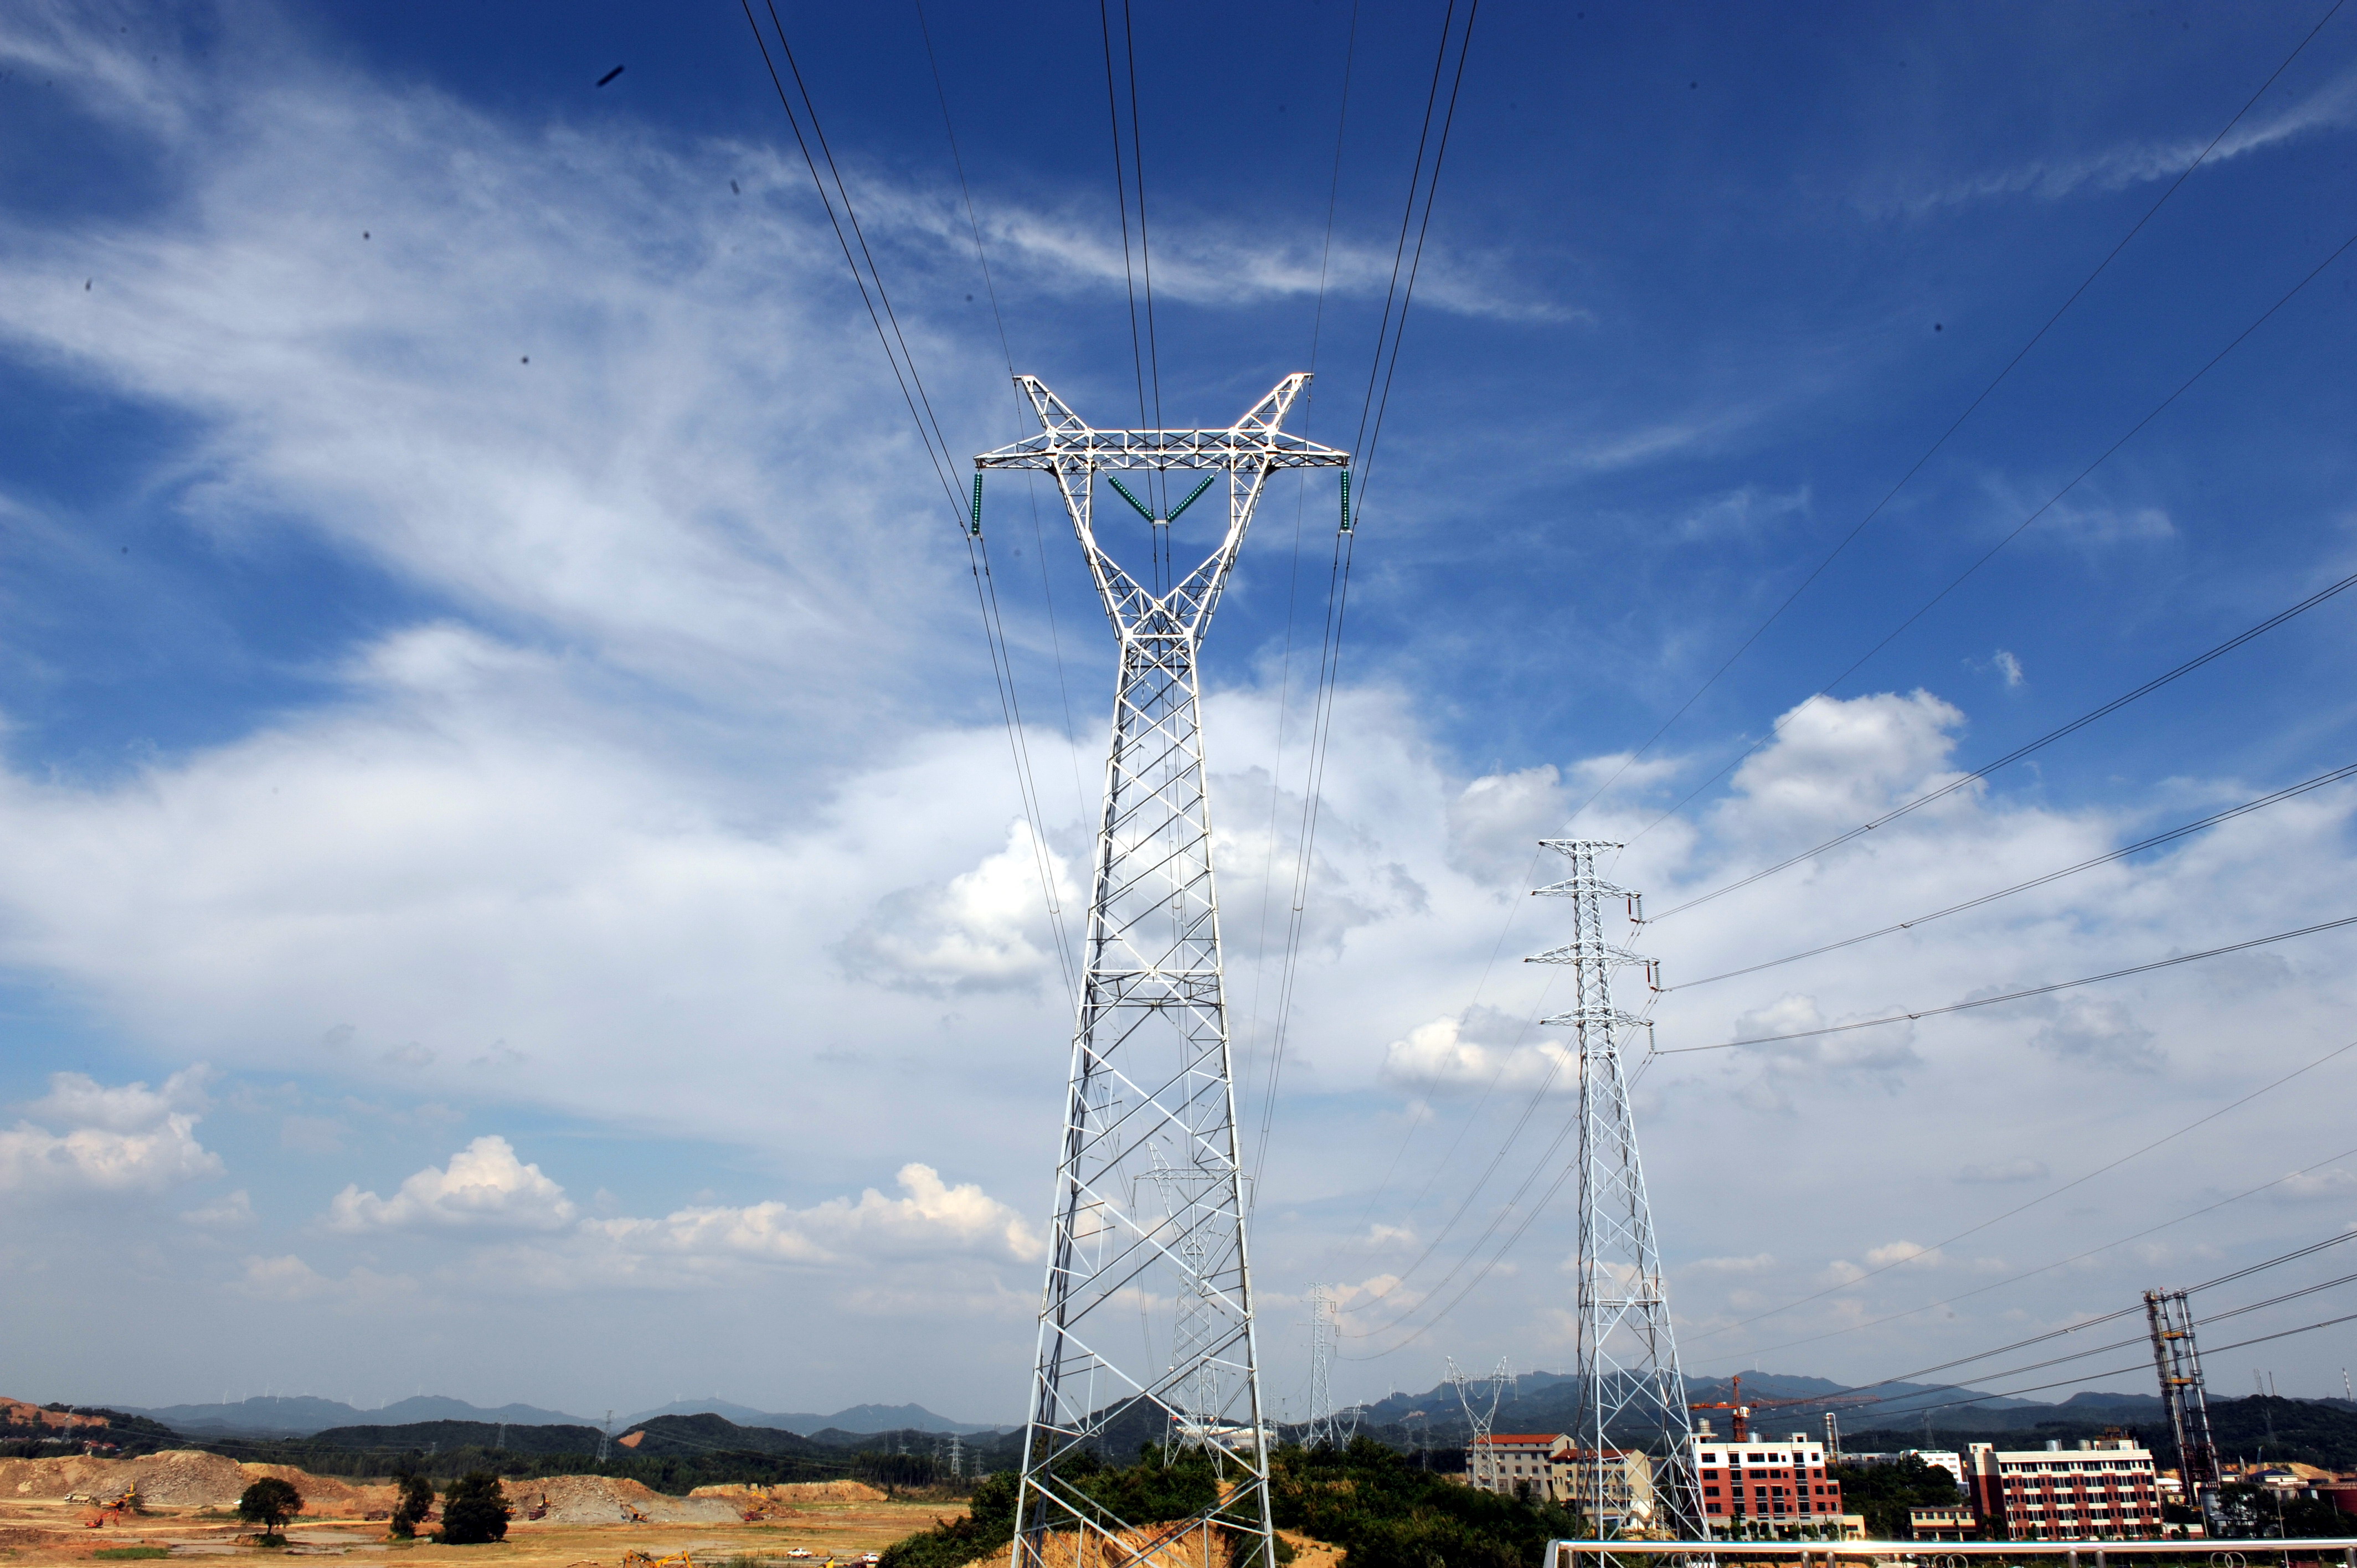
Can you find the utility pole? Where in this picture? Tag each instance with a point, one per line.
(1151, 1097)
(1631, 1392)
(2178, 1361)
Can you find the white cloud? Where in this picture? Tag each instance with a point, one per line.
(118, 1139)
(1495, 822)
(2007, 666)
(484, 1186)
(930, 1220)
(2331, 107)
(287, 1278)
(2332, 1182)
(986, 929)
(1756, 1263)
(1836, 762)
(1483, 1046)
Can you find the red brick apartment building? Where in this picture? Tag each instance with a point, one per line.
(1758, 1482)
(2104, 1489)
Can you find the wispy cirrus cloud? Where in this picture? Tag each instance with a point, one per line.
(2332, 107)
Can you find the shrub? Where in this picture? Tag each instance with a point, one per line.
(474, 1510)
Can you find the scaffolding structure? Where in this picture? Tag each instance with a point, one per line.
(1632, 1393)
(1149, 1208)
(2178, 1361)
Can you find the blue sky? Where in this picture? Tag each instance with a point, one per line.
(510, 839)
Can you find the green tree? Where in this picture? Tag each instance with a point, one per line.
(1884, 1493)
(412, 1502)
(474, 1510)
(270, 1503)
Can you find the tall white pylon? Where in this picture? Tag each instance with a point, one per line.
(1323, 1431)
(1149, 1210)
(1631, 1394)
(1481, 1462)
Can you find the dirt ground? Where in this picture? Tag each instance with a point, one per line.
(188, 1509)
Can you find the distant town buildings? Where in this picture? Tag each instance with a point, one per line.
(2104, 1489)
(1507, 1461)
(1956, 1523)
(1546, 1465)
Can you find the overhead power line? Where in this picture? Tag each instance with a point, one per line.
(2332, 776)
(2048, 1195)
(1392, 327)
(1991, 554)
(2049, 1267)
(2020, 995)
(1970, 409)
(869, 281)
(2015, 755)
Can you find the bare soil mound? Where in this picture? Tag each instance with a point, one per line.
(827, 1492)
(609, 1499)
(176, 1478)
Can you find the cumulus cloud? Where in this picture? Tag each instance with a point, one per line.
(986, 929)
(484, 1186)
(1475, 1049)
(123, 1139)
(930, 1220)
(1836, 762)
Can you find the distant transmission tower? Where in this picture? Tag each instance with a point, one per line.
(2178, 1362)
(1322, 1428)
(1631, 1394)
(1151, 1099)
(1480, 1416)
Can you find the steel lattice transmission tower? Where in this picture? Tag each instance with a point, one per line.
(1149, 1206)
(1480, 1454)
(1631, 1394)
(1323, 1430)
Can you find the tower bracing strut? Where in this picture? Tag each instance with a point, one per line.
(1632, 1398)
(1149, 1205)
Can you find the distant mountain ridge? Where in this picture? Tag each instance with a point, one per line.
(856, 1417)
(304, 1415)
(300, 1415)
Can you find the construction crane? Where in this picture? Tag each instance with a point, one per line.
(1742, 1416)
(1742, 1410)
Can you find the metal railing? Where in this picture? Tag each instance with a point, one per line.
(2251, 1554)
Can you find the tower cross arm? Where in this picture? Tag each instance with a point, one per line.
(1255, 441)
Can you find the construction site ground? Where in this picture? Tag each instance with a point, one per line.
(52, 1511)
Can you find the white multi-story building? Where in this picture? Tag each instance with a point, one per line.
(1763, 1487)
(1507, 1461)
(2105, 1489)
